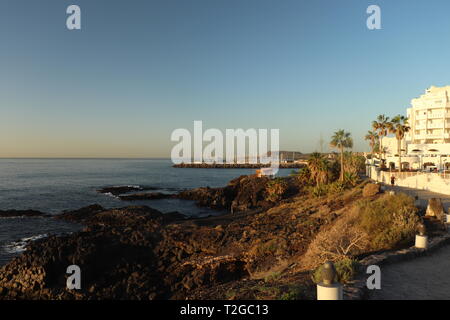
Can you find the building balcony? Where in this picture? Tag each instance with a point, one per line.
(436, 126)
(435, 115)
(429, 136)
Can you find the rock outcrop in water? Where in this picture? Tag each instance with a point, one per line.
(21, 213)
(241, 194)
(118, 190)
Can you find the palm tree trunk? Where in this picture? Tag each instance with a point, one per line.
(381, 147)
(342, 164)
(399, 150)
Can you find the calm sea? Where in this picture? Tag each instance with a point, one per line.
(55, 185)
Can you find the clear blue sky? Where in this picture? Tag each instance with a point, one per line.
(139, 69)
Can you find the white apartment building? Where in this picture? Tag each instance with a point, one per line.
(427, 144)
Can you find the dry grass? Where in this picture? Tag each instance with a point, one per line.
(341, 240)
(384, 223)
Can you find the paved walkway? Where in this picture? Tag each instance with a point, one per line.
(424, 278)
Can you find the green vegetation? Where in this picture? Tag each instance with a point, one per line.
(294, 292)
(275, 189)
(279, 291)
(319, 169)
(272, 276)
(373, 137)
(354, 164)
(399, 127)
(389, 221)
(341, 140)
(346, 270)
(303, 176)
(264, 292)
(384, 223)
(381, 126)
(326, 189)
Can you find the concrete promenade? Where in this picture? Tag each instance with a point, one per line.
(423, 278)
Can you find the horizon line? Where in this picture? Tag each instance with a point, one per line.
(87, 158)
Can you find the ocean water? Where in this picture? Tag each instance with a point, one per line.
(55, 185)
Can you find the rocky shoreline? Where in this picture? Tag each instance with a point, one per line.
(137, 252)
(257, 251)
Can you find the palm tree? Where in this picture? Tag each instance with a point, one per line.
(341, 140)
(319, 168)
(399, 127)
(381, 127)
(373, 138)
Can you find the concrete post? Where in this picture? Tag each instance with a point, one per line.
(329, 289)
(447, 222)
(330, 292)
(421, 242)
(421, 238)
(447, 218)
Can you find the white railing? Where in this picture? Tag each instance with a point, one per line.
(435, 115)
(436, 126)
(431, 181)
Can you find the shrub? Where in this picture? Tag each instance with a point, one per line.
(336, 187)
(325, 189)
(351, 178)
(318, 191)
(319, 168)
(273, 276)
(346, 270)
(294, 293)
(302, 176)
(390, 221)
(275, 189)
(353, 163)
(342, 240)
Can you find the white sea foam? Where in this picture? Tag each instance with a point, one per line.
(14, 217)
(109, 194)
(128, 186)
(19, 246)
